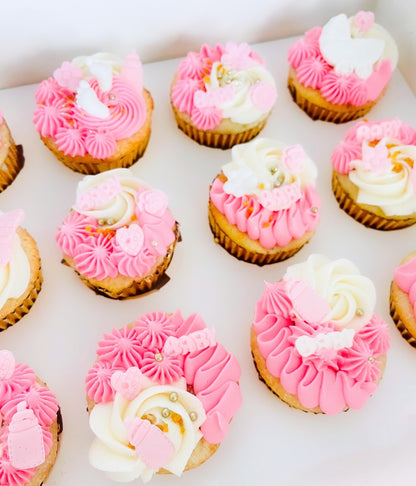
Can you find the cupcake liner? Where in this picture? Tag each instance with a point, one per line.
(317, 112)
(400, 325)
(371, 220)
(215, 139)
(23, 308)
(12, 165)
(241, 253)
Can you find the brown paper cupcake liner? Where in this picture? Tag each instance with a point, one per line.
(25, 306)
(91, 167)
(214, 139)
(317, 112)
(371, 220)
(400, 325)
(12, 165)
(241, 253)
(154, 280)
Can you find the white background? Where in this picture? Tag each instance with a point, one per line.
(268, 442)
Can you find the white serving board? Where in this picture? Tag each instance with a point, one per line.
(268, 442)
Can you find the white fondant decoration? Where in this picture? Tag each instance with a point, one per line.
(102, 71)
(348, 54)
(307, 345)
(88, 100)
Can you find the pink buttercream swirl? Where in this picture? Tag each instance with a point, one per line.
(99, 252)
(270, 228)
(17, 384)
(330, 379)
(314, 72)
(351, 148)
(78, 132)
(210, 371)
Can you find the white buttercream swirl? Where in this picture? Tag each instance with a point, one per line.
(391, 189)
(119, 210)
(15, 275)
(111, 451)
(350, 296)
(257, 166)
(239, 108)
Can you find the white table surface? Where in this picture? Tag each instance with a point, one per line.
(268, 442)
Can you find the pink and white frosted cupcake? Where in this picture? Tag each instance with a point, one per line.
(340, 71)
(31, 425)
(263, 206)
(315, 339)
(161, 395)
(373, 175)
(222, 95)
(120, 235)
(94, 113)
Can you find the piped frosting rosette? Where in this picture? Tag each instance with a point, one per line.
(349, 60)
(118, 227)
(378, 158)
(268, 192)
(29, 427)
(161, 389)
(319, 337)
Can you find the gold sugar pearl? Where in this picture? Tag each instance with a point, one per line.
(154, 243)
(165, 412)
(371, 359)
(158, 357)
(314, 209)
(101, 221)
(193, 416)
(173, 397)
(359, 312)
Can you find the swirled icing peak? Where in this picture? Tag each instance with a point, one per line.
(226, 82)
(91, 103)
(118, 226)
(327, 359)
(144, 371)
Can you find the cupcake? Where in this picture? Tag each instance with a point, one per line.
(222, 95)
(263, 206)
(340, 71)
(160, 395)
(31, 425)
(20, 269)
(120, 235)
(11, 156)
(403, 298)
(315, 339)
(373, 176)
(94, 113)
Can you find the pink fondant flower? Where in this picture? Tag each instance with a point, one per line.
(263, 95)
(68, 76)
(151, 201)
(73, 231)
(120, 348)
(153, 329)
(162, 369)
(93, 257)
(71, 141)
(100, 144)
(237, 56)
(375, 159)
(293, 158)
(98, 382)
(364, 21)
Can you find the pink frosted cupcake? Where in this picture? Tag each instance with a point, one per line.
(161, 396)
(120, 235)
(373, 174)
(340, 71)
(94, 113)
(222, 95)
(31, 425)
(315, 339)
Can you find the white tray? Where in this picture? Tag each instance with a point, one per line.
(268, 442)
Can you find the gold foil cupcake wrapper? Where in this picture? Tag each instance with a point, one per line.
(371, 220)
(317, 112)
(217, 140)
(246, 255)
(400, 325)
(12, 165)
(24, 307)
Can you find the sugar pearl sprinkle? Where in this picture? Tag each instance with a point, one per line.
(193, 416)
(158, 357)
(314, 209)
(359, 312)
(173, 397)
(165, 412)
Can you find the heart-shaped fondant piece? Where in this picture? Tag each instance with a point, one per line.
(348, 54)
(127, 383)
(130, 239)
